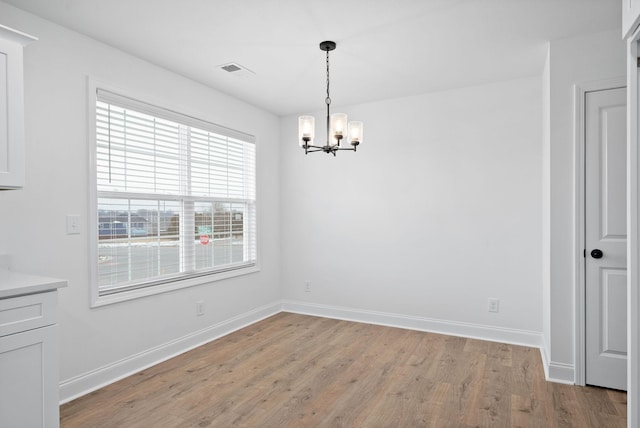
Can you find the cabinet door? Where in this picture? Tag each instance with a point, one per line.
(11, 116)
(630, 16)
(29, 379)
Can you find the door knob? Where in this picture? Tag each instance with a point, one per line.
(596, 254)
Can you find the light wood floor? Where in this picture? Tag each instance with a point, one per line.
(300, 371)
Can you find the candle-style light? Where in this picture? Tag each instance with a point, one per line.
(355, 132)
(306, 129)
(338, 128)
(340, 132)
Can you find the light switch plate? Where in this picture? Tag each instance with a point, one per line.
(73, 225)
(494, 304)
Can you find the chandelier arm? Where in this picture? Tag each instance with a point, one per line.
(315, 149)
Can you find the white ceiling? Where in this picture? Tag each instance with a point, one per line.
(386, 48)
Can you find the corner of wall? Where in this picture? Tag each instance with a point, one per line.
(553, 371)
(546, 205)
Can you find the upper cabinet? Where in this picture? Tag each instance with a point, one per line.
(630, 17)
(12, 107)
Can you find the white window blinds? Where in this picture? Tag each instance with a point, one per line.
(176, 195)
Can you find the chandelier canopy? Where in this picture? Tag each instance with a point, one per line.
(340, 133)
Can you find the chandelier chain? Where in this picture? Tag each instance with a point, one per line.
(328, 99)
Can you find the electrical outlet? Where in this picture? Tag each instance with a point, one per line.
(199, 308)
(307, 286)
(494, 305)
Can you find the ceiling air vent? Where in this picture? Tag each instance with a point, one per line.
(231, 68)
(236, 69)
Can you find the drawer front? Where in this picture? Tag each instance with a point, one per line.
(28, 312)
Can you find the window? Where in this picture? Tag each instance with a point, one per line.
(175, 197)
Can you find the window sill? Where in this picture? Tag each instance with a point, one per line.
(98, 301)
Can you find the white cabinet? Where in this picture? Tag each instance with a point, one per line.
(29, 381)
(630, 16)
(12, 107)
(29, 359)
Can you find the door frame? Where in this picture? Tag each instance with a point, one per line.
(633, 241)
(580, 91)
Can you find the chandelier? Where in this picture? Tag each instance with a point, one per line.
(340, 133)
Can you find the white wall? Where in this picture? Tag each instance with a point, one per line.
(437, 211)
(572, 61)
(32, 220)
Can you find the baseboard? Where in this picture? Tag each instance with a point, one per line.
(544, 355)
(83, 384)
(556, 372)
(561, 373)
(87, 382)
(453, 328)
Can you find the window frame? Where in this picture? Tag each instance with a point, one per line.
(155, 286)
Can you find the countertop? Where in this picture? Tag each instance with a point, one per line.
(14, 284)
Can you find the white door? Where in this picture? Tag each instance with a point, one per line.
(606, 238)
